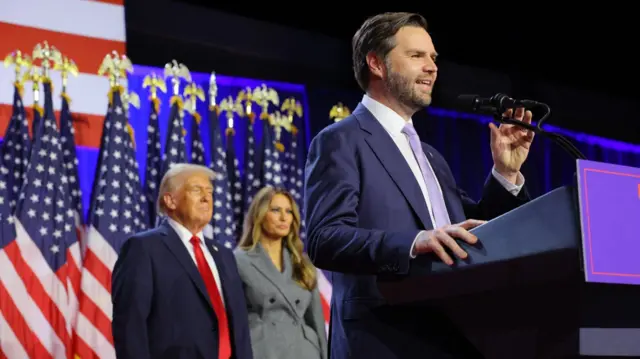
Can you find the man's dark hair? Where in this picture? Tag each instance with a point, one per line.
(377, 34)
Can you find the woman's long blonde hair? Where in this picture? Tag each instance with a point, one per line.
(304, 272)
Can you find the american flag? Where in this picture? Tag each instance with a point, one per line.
(197, 147)
(153, 166)
(15, 149)
(70, 177)
(271, 171)
(35, 293)
(222, 221)
(174, 149)
(252, 181)
(118, 212)
(67, 136)
(35, 78)
(233, 171)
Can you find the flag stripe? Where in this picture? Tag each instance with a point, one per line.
(99, 321)
(103, 250)
(98, 20)
(87, 53)
(100, 295)
(80, 347)
(37, 264)
(16, 346)
(100, 273)
(39, 294)
(26, 310)
(99, 344)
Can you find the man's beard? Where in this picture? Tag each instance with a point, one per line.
(404, 90)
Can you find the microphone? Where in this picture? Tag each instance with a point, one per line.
(499, 103)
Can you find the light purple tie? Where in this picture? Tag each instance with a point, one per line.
(435, 196)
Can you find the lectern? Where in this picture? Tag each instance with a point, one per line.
(541, 273)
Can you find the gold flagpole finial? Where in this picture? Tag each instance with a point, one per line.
(339, 112)
(176, 71)
(193, 93)
(115, 67)
(291, 106)
(279, 122)
(154, 83)
(49, 57)
(263, 96)
(230, 107)
(34, 75)
(19, 61)
(129, 99)
(245, 99)
(66, 67)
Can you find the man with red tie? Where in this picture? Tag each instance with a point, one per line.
(176, 294)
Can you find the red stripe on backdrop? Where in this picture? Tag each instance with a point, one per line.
(88, 127)
(86, 52)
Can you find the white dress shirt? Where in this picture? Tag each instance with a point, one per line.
(185, 235)
(393, 124)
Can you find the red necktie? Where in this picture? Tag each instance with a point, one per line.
(205, 271)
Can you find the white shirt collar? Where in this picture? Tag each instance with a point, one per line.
(389, 119)
(184, 234)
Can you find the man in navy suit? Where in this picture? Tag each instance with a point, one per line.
(376, 197)
(175, 294)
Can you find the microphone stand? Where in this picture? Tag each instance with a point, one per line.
(558, 139)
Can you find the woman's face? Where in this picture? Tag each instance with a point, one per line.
(277, 221)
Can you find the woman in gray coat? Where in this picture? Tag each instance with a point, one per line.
(285, 312)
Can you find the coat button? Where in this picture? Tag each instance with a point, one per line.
(272, 300)
(297, 301)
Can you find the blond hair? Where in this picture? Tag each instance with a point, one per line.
(304, 272)
(174, 179)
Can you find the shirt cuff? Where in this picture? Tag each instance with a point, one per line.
(411, 252)
(514, 189)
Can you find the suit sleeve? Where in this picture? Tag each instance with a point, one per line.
(131, 295)
(496, 200)
(314, 317)
(332, 191)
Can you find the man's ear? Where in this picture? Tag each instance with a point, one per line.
(376, 65)
(169, 201)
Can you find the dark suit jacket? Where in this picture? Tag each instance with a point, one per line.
(160, 304)
(363, 211)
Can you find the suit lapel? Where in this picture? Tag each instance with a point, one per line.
(264, 265)
(392, 160)
(172, 240)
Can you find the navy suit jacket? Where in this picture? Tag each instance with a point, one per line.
(363, 210)
(161, 308)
